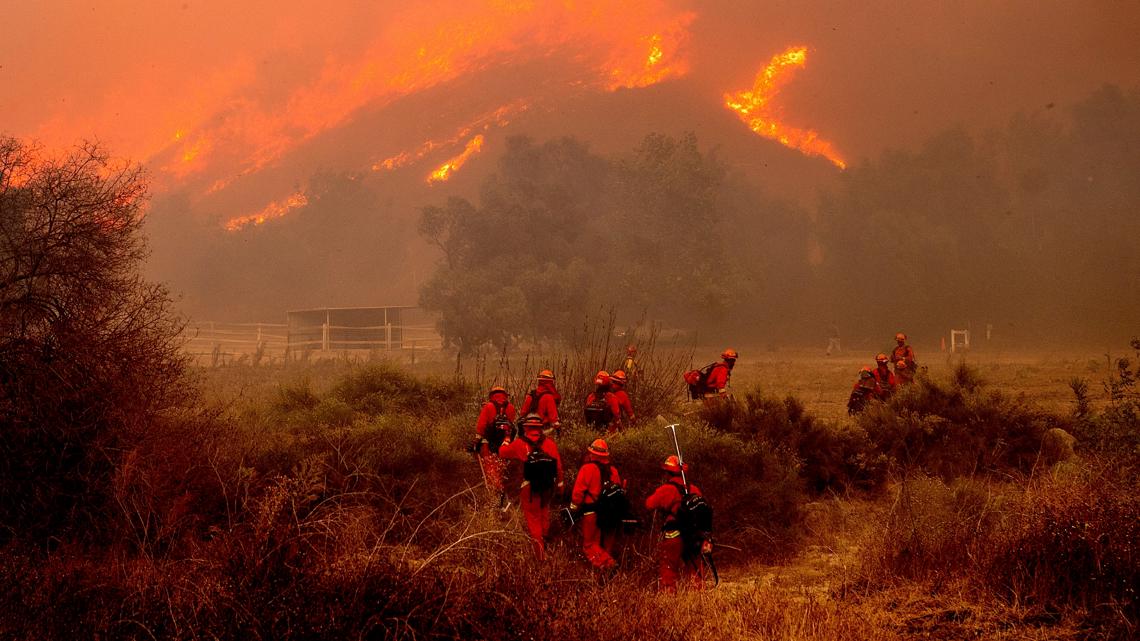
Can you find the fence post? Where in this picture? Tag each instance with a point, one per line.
(325, 336)
(387, 337)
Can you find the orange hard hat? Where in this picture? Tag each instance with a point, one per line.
(900, 365)
(497, 389)
(619, 377)
(729, 354)
(603, 378)
(599, 447)
(900, 337)
(546, 375)
(532, 421)
(671, 464)
(881, 358)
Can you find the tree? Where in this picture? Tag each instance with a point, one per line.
(89, 351)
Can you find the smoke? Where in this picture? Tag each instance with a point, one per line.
(241, 110)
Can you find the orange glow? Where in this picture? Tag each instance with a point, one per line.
(227, 119)
(474, 146)
(755, 109)
(271, 211)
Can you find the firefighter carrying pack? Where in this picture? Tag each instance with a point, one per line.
(598, 411)
(500, 429)
(693, 518)
(698, 380)
(540, 469)
(612, 504)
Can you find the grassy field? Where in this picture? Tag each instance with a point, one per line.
(334, 500)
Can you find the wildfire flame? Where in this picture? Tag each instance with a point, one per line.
(441, 174)
(271, 211)
(755, 109)
(497, 118)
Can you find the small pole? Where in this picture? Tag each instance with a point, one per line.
(677, 446)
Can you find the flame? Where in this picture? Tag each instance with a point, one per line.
(498, 118)
(754, 108)
(474, 146)
(227, 117)
(271, 211)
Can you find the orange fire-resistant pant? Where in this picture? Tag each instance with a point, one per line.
(494, 470)
(596, 544)
(536, 513)
(672, 566)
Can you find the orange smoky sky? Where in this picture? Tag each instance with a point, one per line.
(208, 92)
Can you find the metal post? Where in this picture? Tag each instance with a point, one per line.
(677, 446)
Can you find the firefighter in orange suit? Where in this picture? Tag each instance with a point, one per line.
(535, 501)
(671, 554)
(596, 543)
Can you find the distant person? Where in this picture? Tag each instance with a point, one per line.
(721, 372)
(544, 400)
(903, 352)
(602, 411)
(683, 541)
(629, 365)
(833, 339)
(865, 389)
(494, 428)
(597, 481)
(711, 381)
(625, 405)
(542, 475)
(884, 376)
(903, 373)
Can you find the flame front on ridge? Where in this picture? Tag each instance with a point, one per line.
(755, 109)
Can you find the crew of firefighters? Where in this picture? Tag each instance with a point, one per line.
(683, 555)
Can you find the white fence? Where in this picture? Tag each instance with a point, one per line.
(214, 343)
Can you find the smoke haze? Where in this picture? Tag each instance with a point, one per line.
(311, 129)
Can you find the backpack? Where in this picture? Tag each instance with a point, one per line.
(698, 380)
(499, 429)
(693, 518)
(534, 396)
(598, 412)
(612, 504)
(539, 469)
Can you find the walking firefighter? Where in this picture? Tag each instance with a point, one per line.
(686, 536)
(600, 501)
(602, 411)
(544, 400)
(542, 476)
(494, 428)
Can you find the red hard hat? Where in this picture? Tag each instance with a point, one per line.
(546, 375)
(599, 447)
(900, 337)
(900, 365)
(729, 354)
(497, 389)
(619, 377)
(631, 349)
(672, 465)
(603, 378)
(532, 421)
(881, 358)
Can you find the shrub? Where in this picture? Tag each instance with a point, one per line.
(831, 456)
(89, 351)
(957, 428)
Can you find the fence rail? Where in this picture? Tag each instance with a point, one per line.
(257, 343)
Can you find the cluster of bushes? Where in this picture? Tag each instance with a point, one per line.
(1068, 541)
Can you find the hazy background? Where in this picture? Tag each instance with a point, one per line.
(991, 176)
